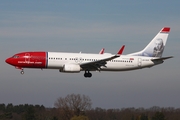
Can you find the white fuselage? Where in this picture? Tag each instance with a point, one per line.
(56, 60)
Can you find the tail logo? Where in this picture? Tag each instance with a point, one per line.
(155, 49)
(159, 47)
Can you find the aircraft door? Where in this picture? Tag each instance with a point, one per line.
(139, 62)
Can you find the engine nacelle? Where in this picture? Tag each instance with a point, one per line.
(71, 68)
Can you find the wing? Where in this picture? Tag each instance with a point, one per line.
(96, 65)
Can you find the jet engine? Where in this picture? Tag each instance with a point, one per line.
(71, 68)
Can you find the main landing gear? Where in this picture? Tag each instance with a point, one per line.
(87, 74)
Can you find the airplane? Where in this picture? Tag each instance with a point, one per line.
(66, 62)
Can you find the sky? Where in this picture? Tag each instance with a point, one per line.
(89, 26)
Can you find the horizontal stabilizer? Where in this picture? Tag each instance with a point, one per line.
(162, 58)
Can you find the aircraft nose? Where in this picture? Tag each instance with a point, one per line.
(8, 60)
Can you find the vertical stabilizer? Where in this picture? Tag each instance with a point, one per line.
(156, 47)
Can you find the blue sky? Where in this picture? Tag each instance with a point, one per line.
(88, 26)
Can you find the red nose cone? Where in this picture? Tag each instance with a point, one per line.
(9, 61)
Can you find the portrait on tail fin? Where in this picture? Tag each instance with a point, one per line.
(158, 49)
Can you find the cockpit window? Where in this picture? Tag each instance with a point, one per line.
(15, 56)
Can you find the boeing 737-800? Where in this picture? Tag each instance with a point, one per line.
(75, 62)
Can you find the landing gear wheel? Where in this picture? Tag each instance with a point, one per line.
(87, 74)
(22, 72)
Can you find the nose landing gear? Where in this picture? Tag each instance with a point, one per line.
(22, 72)
(87, 74)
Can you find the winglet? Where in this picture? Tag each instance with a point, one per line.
(121, 50)
(102, 51)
